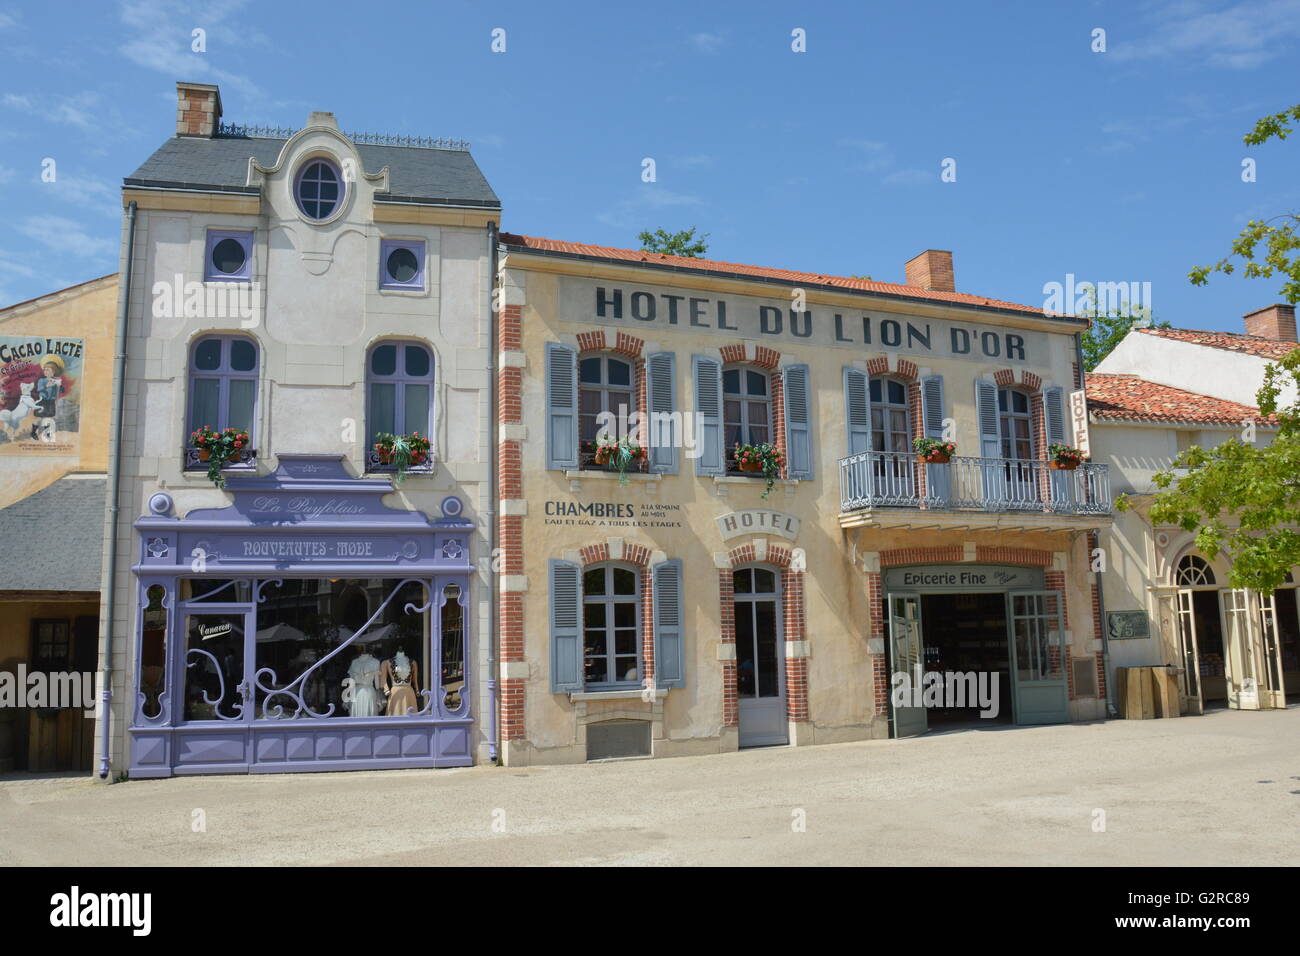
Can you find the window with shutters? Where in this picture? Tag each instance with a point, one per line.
(746, 411)
(891, 420)
(611, 625)
(399, 396)
(1015, 424)
(606, 401)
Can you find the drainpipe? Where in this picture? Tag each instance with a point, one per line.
(1111, 709)
(490, 513)
(114, 485)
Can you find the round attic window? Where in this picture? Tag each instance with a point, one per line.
(319, 190)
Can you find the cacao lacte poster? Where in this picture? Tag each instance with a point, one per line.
(40, 395)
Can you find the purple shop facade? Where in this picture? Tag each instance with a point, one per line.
(297, 536)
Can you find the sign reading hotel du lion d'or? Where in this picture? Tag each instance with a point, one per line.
(656, 309)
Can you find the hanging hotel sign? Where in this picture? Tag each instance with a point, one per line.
(758, 521)
(963, 577)
(1079, 418)
(40, 395)
(772, 321)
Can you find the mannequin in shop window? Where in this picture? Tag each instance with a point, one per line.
(361, 686)
(398, 679)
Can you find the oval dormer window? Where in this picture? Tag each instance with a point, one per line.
(320, 189)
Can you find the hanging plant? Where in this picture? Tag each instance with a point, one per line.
(934, 451)
(764, 457)
(403, 452)
(1064, 457)
(219, 448)
(618, 454)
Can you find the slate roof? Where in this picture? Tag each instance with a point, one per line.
(53, 538)
(1114, 397)
(687, 264)
(1228, 341)
(416, 174)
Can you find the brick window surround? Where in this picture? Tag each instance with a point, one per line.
(630, 347)
(638, 556)
(768, 360)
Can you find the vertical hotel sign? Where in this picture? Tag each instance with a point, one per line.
(40, 395)
(1079, 419)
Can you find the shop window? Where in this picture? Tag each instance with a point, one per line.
(606, 399)
(399, 390)
(746, 411)
(228, 256)
(1194, 570)
(452, 633)
(401, 264)
(319, 648)
(319, 189)
(222, 389)
(153, 651)
(611, 625)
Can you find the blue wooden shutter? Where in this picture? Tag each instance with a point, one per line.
(932, 406)
(566, 633)
(561, 406)
(938, 478)
(1054, 412)
(798, 429)
(1061, 482)
(994, 475)
(857, 411)
(662, 428)
(708, 415)
(670, 656)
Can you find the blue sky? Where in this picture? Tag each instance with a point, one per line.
(1122, 166)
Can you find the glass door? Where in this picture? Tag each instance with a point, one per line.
(1039, 691)
(760, 661)
(1272, 688)
(1242, 657)
(1189, 658)
(906, 658)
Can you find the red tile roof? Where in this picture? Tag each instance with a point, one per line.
(735, 268)
(1129, 398)
(1249, 344)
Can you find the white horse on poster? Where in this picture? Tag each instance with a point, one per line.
(10, 417)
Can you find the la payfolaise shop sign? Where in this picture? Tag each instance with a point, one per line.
(308, 515)
(773, 323)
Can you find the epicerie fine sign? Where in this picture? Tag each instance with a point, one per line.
(950, 577)
(773, 321)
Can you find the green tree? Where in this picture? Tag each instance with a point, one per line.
(1266, 247)
(1107, 329)
(682, 243)
(1240, 497)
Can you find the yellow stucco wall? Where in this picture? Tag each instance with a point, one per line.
(85, 312)
(838, 618)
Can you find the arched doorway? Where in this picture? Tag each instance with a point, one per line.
(1200, 635)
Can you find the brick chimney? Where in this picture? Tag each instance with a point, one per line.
(198, 109)
(932, 270)
(1276, 322)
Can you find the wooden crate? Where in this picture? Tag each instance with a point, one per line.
(1136, 693)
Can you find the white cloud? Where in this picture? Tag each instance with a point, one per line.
(7, 20)
(69, 237)
(160, 36)
(94, 194)
(80, 110)
(1236, 36)
(707, 43)
(634, 213)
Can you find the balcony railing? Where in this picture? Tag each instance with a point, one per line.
(902, 480)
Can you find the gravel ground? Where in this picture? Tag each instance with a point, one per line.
(1222, 789)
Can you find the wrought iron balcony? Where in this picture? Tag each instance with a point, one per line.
(901, 480)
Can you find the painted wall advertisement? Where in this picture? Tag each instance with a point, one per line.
(40, 395)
